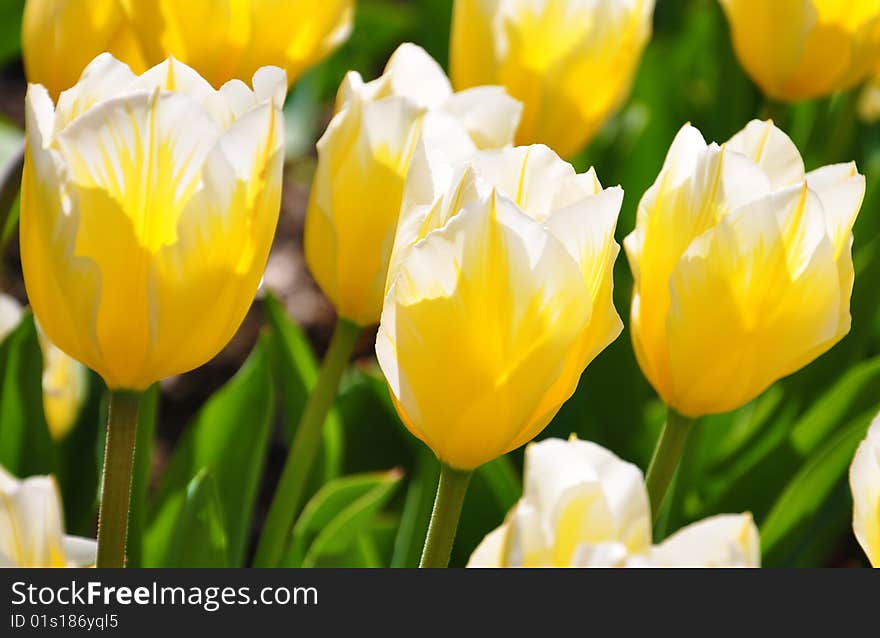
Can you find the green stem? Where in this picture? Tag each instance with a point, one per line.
(444, 519)
(116, 485)
(666, 456)
(291, 486)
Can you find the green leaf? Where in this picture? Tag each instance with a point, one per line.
(196, 530)
(229, 437)
(804, 496)
(335, 517)
(296, 370)
(10, 29)
(26, 446)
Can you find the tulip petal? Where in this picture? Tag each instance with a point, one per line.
(104, 77)
(490, 551)
(864, 480)
(568, 477)
(61, 285)
(772, 150)
(742, 300)
(729, 540)
(841, 189)
(487, 113)
(80, 552)
(134, 189)
(412, 73)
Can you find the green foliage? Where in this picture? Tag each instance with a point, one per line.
(337, 521)
(26, 447)
(229, 438)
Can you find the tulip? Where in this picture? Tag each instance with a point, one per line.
(743, 274)
(743, 267)
(225, 39)
(222, 40)
(60, 37)
(570, 62)
(32, 527)
(363, 159)
(583, 506)
(148, 208)
(864, 481)
(496, 306)
(802, 49)
(64, 378)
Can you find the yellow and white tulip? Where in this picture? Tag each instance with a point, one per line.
(500, 294)
(743, 267)
(32, 526)
(363, 160)
(149, 204)
(582, 506)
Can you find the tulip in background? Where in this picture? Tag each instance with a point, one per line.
(584, 507)
(803, 49)
(864, 481)
(65, 380)
(60, 37)
(222, 40)
(32, 526)
(148, 208)
(496, 307)
(571, 62)
(363, 160)
(743, 271)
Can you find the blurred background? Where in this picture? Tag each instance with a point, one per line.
(784, 457)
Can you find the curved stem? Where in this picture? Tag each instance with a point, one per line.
(116, 484)
(669, 448)
(444, 519)
(291, 486)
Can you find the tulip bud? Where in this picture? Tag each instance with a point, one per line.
(802, 49)
(570, 62)
(148, 208)
(32, 527)
(864, 481)
(222, 39)
(65, 381)
(582, 506)
(742, 265)
(499, 299)
(363, 159)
